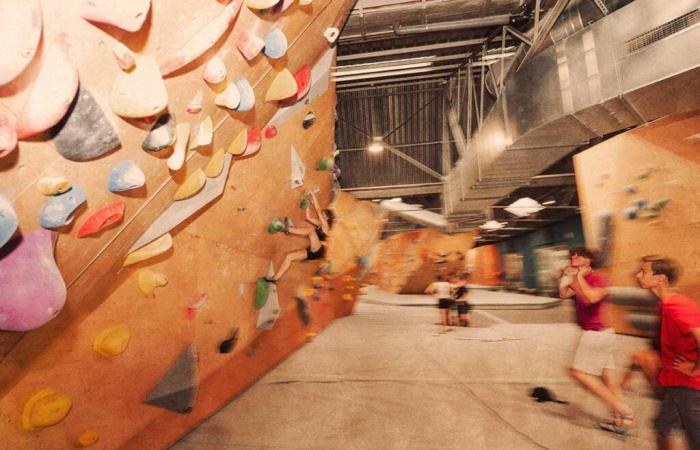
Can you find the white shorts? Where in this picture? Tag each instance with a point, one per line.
(595, 352)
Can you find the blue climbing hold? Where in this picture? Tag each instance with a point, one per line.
(60, 208)
(125, 176)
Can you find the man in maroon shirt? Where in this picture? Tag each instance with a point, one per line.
(680, 344)
(593, 364)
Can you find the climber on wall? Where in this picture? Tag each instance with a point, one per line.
(317, 235)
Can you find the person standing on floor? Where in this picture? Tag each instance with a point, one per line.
(680, 347)
(460, 295)
(593, 365)
(441, 290)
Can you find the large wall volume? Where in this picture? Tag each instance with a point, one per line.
(645, 180)
(198, 337)
(406, 263)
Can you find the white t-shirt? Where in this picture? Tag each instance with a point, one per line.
(442, 289)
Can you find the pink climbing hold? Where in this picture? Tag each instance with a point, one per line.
(8, 134)
(102, 218)
(52, 92)
(254, 142)
(128, 15)
(33, 291)
(199, 300)
(249, 44)
(203, 40)
(20, 32)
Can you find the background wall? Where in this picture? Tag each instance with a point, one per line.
(220, 251)
(485, 265)
(661, 160)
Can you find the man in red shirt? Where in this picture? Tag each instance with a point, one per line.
(680, 344)
(593, 364)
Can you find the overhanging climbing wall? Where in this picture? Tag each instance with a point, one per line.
(137, 370)
(638, 193)
(408, 262)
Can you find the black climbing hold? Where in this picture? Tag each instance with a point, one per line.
(229, 344)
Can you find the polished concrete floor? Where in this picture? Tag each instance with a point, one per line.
(387, 377)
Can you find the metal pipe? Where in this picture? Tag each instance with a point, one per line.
(501, 19)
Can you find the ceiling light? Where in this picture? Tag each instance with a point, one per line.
(345, 73)
(549, 203)
(376, 145)
(491, 225)
(524, 207)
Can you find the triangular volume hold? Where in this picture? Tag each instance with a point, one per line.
(177, 390)
(298, 169)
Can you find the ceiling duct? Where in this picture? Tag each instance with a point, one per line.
(480, 22)
(581, 13)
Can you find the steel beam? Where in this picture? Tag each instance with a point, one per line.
(437, 68)
(553, 180)
(413, 161)
(543, 32)
(403, 51)
(402, 190)
(371, 84)
(353, 69)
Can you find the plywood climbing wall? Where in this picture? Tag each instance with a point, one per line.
(485, 265)
(406, 263)
(653, 163)
(218, 253)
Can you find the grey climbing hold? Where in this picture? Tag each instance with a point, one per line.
(162, 134)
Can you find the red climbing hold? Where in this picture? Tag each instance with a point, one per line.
(102, 218)
(270, 132)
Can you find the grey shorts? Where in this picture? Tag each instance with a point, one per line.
(680, 409)
(595, 352)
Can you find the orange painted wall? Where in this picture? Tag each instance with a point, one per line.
(485, 265)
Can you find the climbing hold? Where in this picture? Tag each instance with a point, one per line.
(33, 289)
(310, 337)
(112, 341)
(125, 58)
(283, 86)
(53, 185)
(59, 210)
(247, 94)
(270, 131)
(150, 280)
(196, 305)
(177, 390)
(305, 2)
(193, 184)
(249, 44)
(102, 218)
(52, 92)
(331, 34)
(229, 344)
(630, 213)
(298, 169)
(270, 309)
(303, 310)
(275, 44)
(162, 134)
(630, 189)
(261, 291)
(88, 438)
(195, 105)
(304, 203)
(214, 70)
(215, 165)
(238, 145)
(281, 6)
(155, 248)
(347, 297)
(649, 214)
(658, 205)
(275, 226)
(205, 132)
(21, 24)
(640, 203)
(128, 15)
(8, 132)
(177, 159)
(230, 98)
(45, 408)
(260, 4)
(254, 142)
(309, 120)
(140, 92)
(84, 133)
(204, 39)
(303, 79)
(8, 221)
(125, 176)
(326, 163)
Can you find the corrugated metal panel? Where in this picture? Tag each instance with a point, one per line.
(408, 117)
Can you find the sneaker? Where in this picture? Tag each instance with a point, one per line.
(271, 279)
(625, 427)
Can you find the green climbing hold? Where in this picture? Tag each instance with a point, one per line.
(275, 226)
(261, 291)
(325, 163)
(659, 204)
(649, 215)
(304, 203)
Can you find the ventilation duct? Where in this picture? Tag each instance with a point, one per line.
(581, 13)
(502, 19)
(415, 214)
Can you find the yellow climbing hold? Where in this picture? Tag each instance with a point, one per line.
(53, 185)
(238, 145)
(215, 165)
(205, 132)
(347, 297)
(155, 248)
(45, 408)
(150, 280)
(193, 184)
(283, 86)
(112, 341)
(88, 438)
(310, 337)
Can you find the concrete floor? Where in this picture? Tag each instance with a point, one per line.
(387, 377)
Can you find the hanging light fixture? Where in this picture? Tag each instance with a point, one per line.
(376, 145)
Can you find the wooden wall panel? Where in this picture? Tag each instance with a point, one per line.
(485, 264)
(221, 251)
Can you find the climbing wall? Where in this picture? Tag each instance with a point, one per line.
(639, 196)
(141, 353)
(406, 263)
(484, 264)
